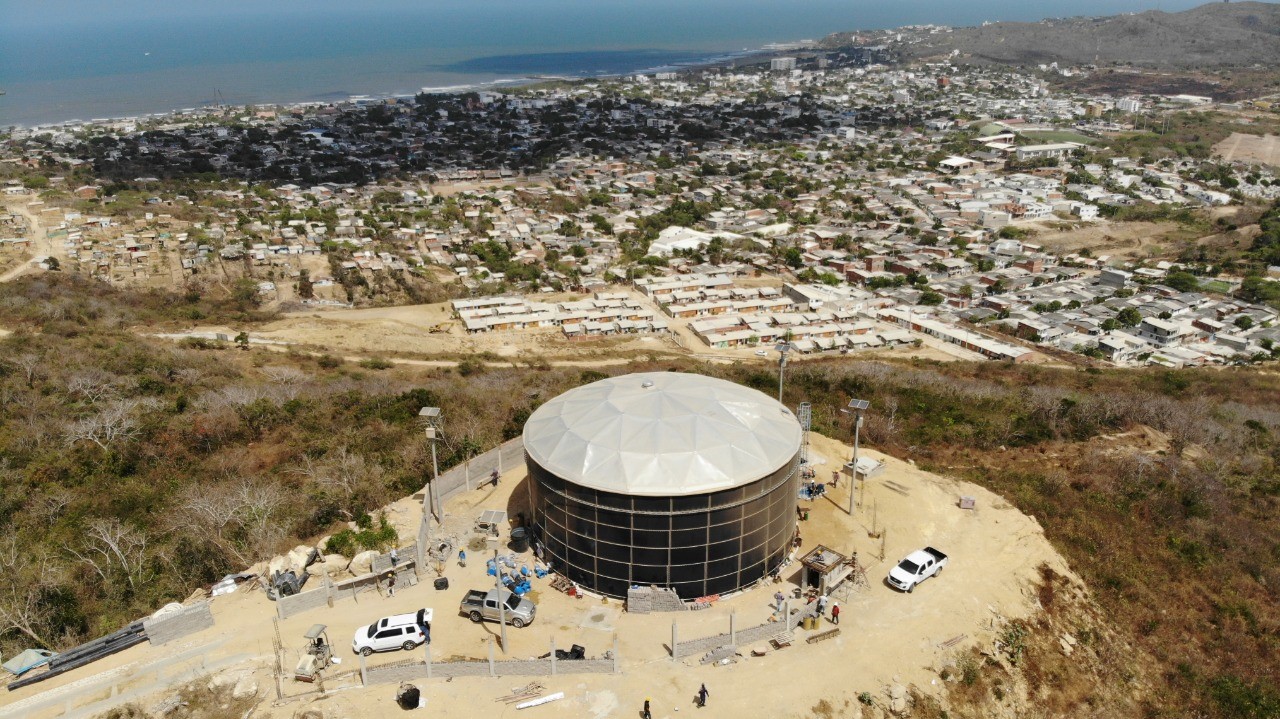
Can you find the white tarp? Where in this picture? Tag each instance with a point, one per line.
(681, 434)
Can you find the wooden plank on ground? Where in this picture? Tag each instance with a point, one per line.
(823, 635)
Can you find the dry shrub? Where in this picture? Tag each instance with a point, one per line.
(1047, 589)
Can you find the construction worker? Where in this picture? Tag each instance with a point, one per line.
(462, 558)
(702, 696)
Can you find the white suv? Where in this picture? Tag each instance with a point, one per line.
(402, 631)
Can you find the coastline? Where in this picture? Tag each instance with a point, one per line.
(713, 60)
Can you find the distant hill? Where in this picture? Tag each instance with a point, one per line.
(1210, 36)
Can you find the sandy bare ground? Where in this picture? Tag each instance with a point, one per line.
(1127, 239)
(40, 243)
(414, 333)
(1262, 149)
(887, 638)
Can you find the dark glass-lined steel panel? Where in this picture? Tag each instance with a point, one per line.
(703, 544)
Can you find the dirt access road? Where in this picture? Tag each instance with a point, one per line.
(887, 639)
(41, 245)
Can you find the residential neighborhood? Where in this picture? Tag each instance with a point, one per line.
(875, 200)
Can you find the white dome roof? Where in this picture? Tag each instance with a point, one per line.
(662, 434)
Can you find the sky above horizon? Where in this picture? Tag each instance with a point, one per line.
(52, 13)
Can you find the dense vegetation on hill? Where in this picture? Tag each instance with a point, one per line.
(133, 469)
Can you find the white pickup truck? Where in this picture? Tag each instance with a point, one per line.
(917, 567)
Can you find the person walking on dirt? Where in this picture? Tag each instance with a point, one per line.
(391, 584)
(702, 696)
(647, 714)
(462, 557)
(494, 477)
(835, 612)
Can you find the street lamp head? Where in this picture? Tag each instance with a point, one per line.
(430, 417)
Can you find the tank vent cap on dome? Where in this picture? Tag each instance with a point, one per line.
(647, 383)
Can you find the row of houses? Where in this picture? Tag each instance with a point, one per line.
(972, 341)
(606, 313)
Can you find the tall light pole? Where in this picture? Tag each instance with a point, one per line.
(856, 408)
(783, 348)
(432, 424)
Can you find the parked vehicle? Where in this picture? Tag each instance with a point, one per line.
(480, 605)
(402, 631)
(917, 567)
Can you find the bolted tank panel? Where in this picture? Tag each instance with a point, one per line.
(699, 545)
(697, 492)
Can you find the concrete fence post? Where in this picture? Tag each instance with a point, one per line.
(328, 590)
(553, 656)
(364, 672)
(427, 647)
(466, 471)
(733, 628)
(615, 654)
(492, 671)
(420, 554)
(675, 646)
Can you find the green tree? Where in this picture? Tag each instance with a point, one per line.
(244, 293)
(793, 258)
(1244, 322)
(1129, 317)
(305, 289)
(1182, 281)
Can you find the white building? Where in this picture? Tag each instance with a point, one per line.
(1056, 149)
(1129, 104)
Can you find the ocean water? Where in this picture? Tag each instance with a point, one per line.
(83, 59)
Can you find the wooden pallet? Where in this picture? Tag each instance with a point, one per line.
(781, 640)
(823, 635)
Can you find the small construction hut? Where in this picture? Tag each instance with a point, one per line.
(824, 569)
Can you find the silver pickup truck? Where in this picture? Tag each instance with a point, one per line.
(917, 567)
(480, 605)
